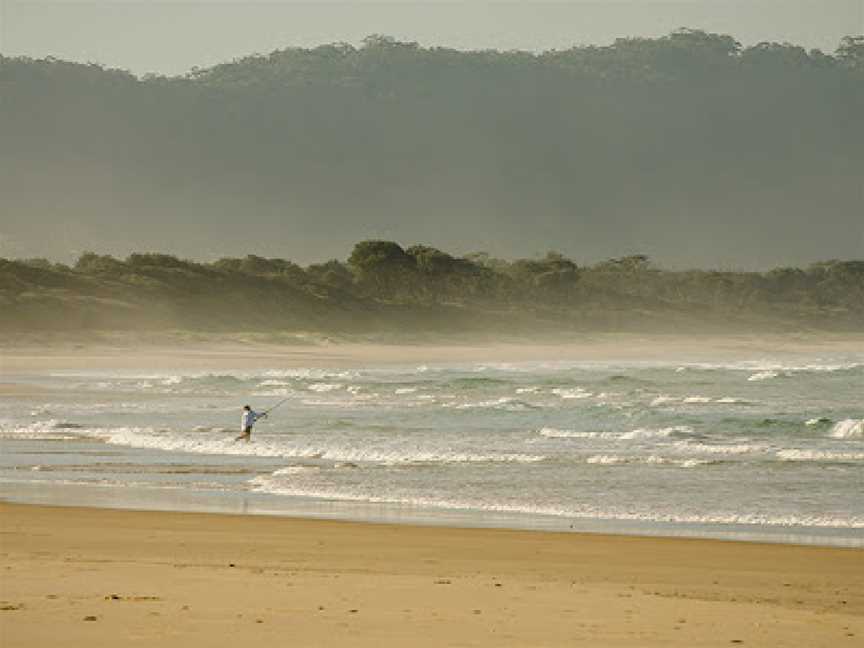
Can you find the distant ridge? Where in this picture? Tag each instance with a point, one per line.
(688, 147)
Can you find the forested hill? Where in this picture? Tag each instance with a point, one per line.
(688, 148)
(384, 289)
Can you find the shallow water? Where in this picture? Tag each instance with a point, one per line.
(723, 449)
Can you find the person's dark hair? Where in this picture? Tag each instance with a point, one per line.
(247, 407)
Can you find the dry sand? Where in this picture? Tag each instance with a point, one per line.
(90, 577)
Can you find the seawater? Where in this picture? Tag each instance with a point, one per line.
(763, 449)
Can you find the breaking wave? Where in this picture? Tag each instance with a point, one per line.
(638, 433)
(848, 429)
(616, 460)
(821, 456)
(200, 443)
(586, 512)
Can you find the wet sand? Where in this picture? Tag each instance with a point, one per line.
(97, 577)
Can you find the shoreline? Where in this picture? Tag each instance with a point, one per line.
(306, 508)
(199, 579)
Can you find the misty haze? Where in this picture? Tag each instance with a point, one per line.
(370, 324)
(688, 148)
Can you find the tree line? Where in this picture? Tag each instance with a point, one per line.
(383, 286)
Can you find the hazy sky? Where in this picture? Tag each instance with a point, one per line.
(171, 36)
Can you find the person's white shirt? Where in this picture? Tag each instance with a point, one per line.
(248, 419)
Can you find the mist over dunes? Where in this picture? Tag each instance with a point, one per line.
(687, 148)
(383, 289)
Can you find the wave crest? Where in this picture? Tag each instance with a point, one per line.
(848, 429)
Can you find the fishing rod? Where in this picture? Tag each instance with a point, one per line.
(267, 411)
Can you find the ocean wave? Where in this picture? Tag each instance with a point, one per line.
(279, 391)
(848, 429)
(616, 460)
(296, 470)
(638, 433)
(650, 433)
(720, 448)
(317, 375)
(821, 420)
(225, 445)
(210, 429)
(470, 383)
(47, 430)
(274, 383)
(503, 403)
(766, 366)
(764, 375)
(819, 455)
(324, 387)
(664, 399)
(586, 512)
(576, 392)
(554, 433)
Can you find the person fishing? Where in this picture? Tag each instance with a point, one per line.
(247, 421)
(249, 418)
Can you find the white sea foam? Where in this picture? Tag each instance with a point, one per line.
(694, 400)
(47, 430)
(504, 403)
(554, 433)
(210, 429)
(296, 470)
(264, 447)
(765, 366)
(576, 392)
(819, 455)
(663, 400)
(324, 387)
(763, 375)
(584, 512)
(310, 374)
(818, 421)
(689, 446)
(639, 433)
(405, 390)
(283, 391)
(848, 429)
(649, 433)
(614, 460)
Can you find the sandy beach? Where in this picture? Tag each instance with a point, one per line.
(100, 577)
(91, 577)
(233, 352)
